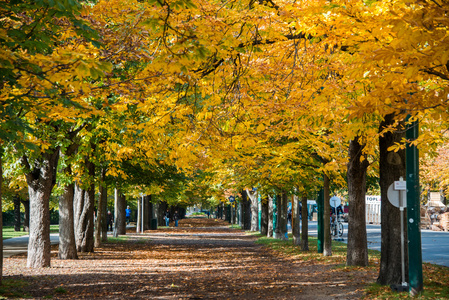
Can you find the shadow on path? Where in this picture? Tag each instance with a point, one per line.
(188, 262)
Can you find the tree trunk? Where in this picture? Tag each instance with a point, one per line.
(146, 212)
(246, 205)
(270, 216)
(67, 242)
(391, 167)
(240, 212)
(357, 254)
(296, 231)
(305, 225)
(100, 222)
(120, 214)
(41, 178)
(264, 217)
(283, 211)
(327, 243)
(84, 218)
(139, 215)
(151, 210)
(161, 208)
(254, 206)
(103, 204)
(26, 219)
(16, 213)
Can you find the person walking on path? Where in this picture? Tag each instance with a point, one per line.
(110, 220)
(167, 218)
(175, 218)
(128, 215)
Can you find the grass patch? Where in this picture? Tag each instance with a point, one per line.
(60, 290)
(436, 286)
(198, 214)
(235, 226)
(286, 247)
(8, 231)
(436, 278)
(13, 288)
(118, 240)
(54, 228)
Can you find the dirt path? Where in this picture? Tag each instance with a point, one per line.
(189, 262)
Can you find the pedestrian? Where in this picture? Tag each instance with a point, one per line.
(176, 217)
(128, 215)
(110, 220)
(167, 218)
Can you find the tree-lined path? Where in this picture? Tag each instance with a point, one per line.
(201, 259)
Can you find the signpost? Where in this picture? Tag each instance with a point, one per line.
(397, 197)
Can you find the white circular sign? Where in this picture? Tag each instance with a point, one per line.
(393, 196)
(335, 201)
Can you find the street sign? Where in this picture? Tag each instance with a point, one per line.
(335, 201)
(231, 199)
(393, 196)
(397, 195)
(400, 185)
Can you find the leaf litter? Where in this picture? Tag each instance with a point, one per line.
(200, 259)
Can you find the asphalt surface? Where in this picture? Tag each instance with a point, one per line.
(434, 244)
(19, 245)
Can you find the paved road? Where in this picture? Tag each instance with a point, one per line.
(20, 244)
(435, 244)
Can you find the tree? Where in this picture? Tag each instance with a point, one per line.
(392, 166)
(281, 224)
(270, 216)
(67, 243)
(119, 213)
(305, 225)
(41, 177)
(357, 254)
(296, 213)
(264, 216)
(84, 202)
(101, 230)
(253, 197)
(327, 246)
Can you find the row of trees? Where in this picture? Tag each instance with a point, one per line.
(162, 97)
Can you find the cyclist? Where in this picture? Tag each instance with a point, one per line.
(339, 211)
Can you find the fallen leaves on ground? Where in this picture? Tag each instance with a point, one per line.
(200, 259)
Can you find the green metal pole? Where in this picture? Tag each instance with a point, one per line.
(320, 207)
(413, 212)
